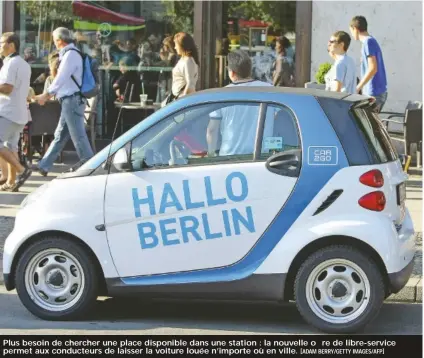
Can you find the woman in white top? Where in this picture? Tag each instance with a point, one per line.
(53, 66)
(186, 72)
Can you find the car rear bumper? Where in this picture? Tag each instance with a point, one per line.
(398, 280)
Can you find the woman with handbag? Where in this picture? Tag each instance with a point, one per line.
(186, 72)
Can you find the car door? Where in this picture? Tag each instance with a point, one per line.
(204, 185)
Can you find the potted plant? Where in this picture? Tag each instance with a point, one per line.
(320, 77)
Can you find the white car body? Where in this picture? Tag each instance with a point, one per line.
(236, 231)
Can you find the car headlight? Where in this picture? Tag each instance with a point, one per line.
(30, 198)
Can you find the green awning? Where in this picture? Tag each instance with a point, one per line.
(94, 26)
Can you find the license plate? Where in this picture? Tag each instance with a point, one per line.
(401, 194)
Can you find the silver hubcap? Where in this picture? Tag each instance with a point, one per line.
(54, 280)
(338, 291)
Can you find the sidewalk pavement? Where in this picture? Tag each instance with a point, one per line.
(9, 205)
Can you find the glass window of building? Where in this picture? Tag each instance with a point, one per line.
(266, 29)
(129, 39)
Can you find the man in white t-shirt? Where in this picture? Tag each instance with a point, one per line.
(236, 123)
(342, 75)
(14, 87)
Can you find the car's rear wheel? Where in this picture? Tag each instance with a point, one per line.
(56, 279)
(338, 289)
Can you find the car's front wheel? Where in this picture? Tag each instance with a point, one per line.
(56, 279)
(338, 289)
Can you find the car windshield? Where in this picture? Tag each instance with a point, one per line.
(101, 156)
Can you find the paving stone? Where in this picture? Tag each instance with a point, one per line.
(408, 293)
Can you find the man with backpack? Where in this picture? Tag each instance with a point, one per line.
(72, 85)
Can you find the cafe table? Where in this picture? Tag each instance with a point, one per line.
(136, 106)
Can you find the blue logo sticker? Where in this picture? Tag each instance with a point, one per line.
(323, 155)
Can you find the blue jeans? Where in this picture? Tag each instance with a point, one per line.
(380, 100)
(71, 125)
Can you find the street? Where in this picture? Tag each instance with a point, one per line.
(119, 316)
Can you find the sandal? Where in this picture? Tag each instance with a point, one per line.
(22, 178)
(8, 187)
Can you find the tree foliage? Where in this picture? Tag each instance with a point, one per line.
(281, 14)
(47, 10)
(180, 15)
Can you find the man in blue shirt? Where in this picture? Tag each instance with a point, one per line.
(373, 73)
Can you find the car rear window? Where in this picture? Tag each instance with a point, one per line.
(375, 135)
(364, 139)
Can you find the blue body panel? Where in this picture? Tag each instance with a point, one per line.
(322, 157)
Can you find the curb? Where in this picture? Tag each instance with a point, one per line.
(418, 171)
(411, 293)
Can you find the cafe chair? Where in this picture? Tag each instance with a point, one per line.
(44, 120)
(90, 116)
(406, 128)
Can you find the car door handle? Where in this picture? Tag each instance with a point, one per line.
(283, 160)
(283, 163)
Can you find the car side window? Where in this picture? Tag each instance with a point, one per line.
(200, 135)
(280, 132)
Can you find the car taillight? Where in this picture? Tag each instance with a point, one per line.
(373, 178)
(375, 201)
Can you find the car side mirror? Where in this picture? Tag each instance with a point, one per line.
(121, 160)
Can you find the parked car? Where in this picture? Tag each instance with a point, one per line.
(302, 198)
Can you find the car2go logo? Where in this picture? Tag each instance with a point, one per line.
(151, 235)
(323, 155)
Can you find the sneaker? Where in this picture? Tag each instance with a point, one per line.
(40, 171)
(22, 178)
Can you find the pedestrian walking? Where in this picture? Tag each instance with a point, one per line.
(373, 80)
(66, 89)
(186, 72)
(282, 67)
(7, 171)
(15, 77)
(342, 75)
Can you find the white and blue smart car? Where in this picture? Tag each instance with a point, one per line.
(243, 193)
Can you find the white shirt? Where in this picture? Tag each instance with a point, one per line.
(239, 122)
(70, 64)
(344, 71)
(16, 72)
(184, 74)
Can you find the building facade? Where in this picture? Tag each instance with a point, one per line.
(134, 30)
(397, 26)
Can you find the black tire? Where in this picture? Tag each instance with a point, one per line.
(89, 292)
(371, 270)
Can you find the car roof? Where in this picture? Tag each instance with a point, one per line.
(319, 93)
